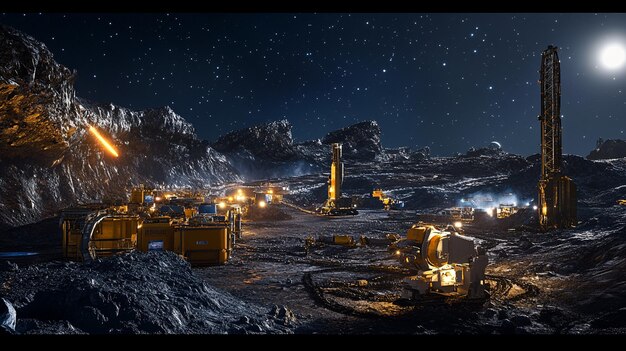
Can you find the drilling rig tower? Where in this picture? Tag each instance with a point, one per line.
(557, 192)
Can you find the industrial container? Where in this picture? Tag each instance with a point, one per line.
(137, 196)
(156, 234)
(114, 234)
(207, 209)
(202, 245)
(72, 222)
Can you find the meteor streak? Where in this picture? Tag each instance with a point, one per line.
(103, 141)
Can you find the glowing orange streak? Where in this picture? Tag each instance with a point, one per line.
(103, 141)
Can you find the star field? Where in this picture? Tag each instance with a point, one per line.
(448, 81)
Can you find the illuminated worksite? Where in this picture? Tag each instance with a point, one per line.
(388, 193)
(483, 208)
(557, 192)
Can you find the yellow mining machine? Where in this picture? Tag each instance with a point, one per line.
(557, 192)
(506, 210)
(389, 203)
(447, 262)
(176, 223)
(336, 204)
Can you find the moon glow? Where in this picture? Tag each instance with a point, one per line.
(613, 56)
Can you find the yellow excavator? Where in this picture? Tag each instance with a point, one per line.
(621, 202)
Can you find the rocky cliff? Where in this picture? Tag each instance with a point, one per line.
(48, 159)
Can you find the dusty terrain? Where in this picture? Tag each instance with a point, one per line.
(530, 294)
(545, 283)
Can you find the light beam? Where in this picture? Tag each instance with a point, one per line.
(103, 141)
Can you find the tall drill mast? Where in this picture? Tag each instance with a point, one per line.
(550, 117)
(337, 204)
(557, 192)
(336, 174)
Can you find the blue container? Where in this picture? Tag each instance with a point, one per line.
(207, 208)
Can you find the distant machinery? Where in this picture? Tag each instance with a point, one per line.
(270, 194)
(557, 192)
(336, 205)
(388, 202)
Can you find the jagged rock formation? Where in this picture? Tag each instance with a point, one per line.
(268, 150)
(270, 141)
(608, 149)
(361, 141)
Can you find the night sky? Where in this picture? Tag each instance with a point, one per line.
(449, 81)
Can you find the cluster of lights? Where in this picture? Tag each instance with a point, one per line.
(240, 197)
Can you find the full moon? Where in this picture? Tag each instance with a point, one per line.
(613, 56)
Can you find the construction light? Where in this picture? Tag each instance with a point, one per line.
(458, 224)
(262, 204)
(222, 204)
(535, 207)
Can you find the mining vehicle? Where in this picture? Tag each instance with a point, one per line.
(447, 262)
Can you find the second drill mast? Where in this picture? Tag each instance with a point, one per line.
(557, 192)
